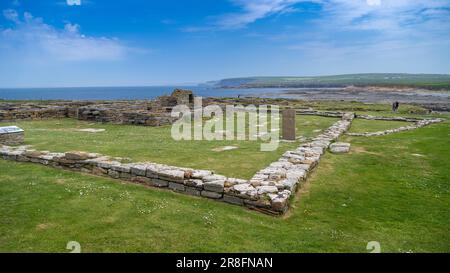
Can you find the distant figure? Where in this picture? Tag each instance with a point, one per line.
(239, 96)
(395, 106)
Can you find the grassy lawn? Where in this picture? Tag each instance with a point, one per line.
(156, 144)
(394, 189)
(362, 126)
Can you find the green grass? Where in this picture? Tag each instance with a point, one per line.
(363, 126)
(156, 144)
(394, 189)
(430, 81)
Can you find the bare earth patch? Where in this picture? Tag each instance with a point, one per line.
(225, 148)
(358, 150)
(91, 130)
(44, 226)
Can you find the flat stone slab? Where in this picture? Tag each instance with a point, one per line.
(340, 147)
(11, 135)
(10, 130)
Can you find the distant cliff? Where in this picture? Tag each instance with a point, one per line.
(427, 81)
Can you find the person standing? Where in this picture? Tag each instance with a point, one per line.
(395, 106)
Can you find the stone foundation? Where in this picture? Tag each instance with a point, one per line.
(268, 191)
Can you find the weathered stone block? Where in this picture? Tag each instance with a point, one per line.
(199, 174)
(193, 191)
(259, 203)
(107, 164)
(215, 186)
(266, 189)
(213, 177)
(141, 180)
(155, 182)
(76, 155)
(125, 175)
(139, 170)
(196, 183)
(121, 168)
(340, 147)
(233, 200)
(99, 171)
(172, 175)
(113, 174)
(177, 186)
(211, 194)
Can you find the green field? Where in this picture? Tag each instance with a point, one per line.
(429, 81)
(155, 144)
(394, 189)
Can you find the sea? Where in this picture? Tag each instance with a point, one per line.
(124, 93)
(151, 92)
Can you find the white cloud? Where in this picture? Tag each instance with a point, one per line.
(373, 2)
(341, 14)
(11, 15)
(74, 2)
(253, 10)
(380, 15)
(33, 38)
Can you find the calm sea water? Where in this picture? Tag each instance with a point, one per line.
(130, 93)
(119, 93)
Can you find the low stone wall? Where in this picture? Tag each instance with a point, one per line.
(418, 124)
(369, 117)
(33, 113)
(311, 112)
(100, 113)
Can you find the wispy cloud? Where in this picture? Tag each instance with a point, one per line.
(341, 14)
(253, 10)
(32, 37)
(73, 2)
(249, 12)
(374, 30)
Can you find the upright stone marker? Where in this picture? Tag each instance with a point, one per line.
(11, 135)
(288, 124)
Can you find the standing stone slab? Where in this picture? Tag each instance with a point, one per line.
(288, 127)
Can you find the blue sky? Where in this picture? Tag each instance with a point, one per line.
(51, 43)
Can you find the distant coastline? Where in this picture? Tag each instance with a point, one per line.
(381, 80)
